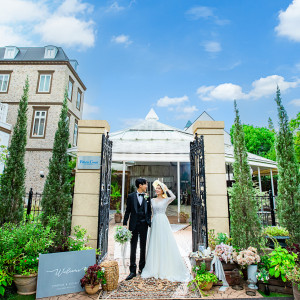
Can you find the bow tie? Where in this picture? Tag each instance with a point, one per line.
(141, 195)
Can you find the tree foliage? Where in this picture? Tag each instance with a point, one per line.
(295, 126)
(12, 181)
(258, 140)
(57, 198)
(288, 199)
(245, 226)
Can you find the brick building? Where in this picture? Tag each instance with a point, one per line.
(50, 72)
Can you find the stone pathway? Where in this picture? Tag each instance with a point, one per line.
(184, 241)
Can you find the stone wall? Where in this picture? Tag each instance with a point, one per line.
(39, 150)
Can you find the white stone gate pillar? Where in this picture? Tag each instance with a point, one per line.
(215, 174)
(87, 182)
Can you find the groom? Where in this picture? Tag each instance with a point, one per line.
(139, 211)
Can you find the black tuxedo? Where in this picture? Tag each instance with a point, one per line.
(140, 219)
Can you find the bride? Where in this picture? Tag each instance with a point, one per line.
(163, 257)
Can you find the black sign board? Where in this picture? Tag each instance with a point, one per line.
(60, 273)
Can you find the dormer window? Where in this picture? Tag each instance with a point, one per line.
(10, 52)
(50, 52)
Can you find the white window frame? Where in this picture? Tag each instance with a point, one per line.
(75, 135)
(10, 52)
(70, 93)
(39, 87)
(78, 93)
(40, 117)
(2, 83)
(50, 52)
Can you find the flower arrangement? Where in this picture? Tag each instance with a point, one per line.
(248, 257)
(93, 276)
(27, 265)
(224, 253)
(122, 235)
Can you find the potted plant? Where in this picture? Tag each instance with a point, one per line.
(25, 277)
(293, 275)
(278, 233)
(115, 194)
(93, 277)
(20, 246)
(263, 276)
(118, 215)
(249, 258)
(203, 279)
(183, 217)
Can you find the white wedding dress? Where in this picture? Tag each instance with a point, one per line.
(163, 258)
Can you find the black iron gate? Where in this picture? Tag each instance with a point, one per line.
(199, 211)
(104, 196)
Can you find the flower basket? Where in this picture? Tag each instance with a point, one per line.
(206, 286)
(91, 290)
(26, 284)
(111, 275)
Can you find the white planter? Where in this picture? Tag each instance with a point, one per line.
(251, 271)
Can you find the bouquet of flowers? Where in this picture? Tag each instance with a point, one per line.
(224, 253)
(248, 257)
(122, 235)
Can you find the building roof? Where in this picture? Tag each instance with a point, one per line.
(153, 141)
(35, 54)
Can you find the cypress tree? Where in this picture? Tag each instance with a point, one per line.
(12, 181)
(245, 225)
(57, 199)
(288, 199)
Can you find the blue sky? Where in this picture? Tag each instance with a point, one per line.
(179, 57)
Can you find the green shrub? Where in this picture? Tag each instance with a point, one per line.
(280, 261)
(275, 231)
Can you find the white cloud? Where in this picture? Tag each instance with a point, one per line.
(212, 46)
(121, 39)
(90, 112)
(10, 36)
(189, 109)
(295, 102)
(260, 88)
(14, 11)
(167, 101)
(204, 12)
(115, 7)
(199, 12)
(63, 23)
(289, 22)
(68, 31)
(73, 7)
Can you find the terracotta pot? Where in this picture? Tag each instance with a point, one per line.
(91, 291)
(26, 285)
(118, 218)
(296, 291)
(182, 219)
(206, 286)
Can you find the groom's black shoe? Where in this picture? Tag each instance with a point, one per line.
(130, 276)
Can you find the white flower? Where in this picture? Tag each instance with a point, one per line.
(103, 269)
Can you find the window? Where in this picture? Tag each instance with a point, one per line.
(50, 52)
(68, 119)
(78, 102)
(11, 52)
(4, 81)
(44, 82)
(70, 88)
(75, 133)
(39, 123)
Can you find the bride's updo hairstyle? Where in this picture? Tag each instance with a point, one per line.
(162, 186)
